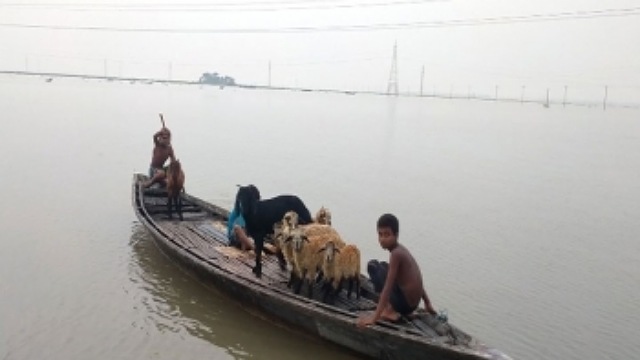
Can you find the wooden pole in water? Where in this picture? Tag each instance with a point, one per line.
(547, 103)
(606, 94)
(162, 120)
(421, 80)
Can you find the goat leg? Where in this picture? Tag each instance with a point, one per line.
(326, 284)
(338, 286)
(327, 292)
(350, 288)
(281, 260)
(257, 270)
(298, 286)
(169, 201)
(292, 278)
(179, 207)
(310, 282)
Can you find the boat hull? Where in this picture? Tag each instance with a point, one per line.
(272, 299)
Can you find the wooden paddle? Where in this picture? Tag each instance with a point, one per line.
(162, 120)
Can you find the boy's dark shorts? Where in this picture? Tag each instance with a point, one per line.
(152, 170)
(378, 274)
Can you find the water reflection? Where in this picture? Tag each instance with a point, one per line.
(175, 302)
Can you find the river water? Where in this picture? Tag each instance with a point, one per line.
(524, 219)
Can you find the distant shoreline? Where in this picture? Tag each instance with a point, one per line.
(51, 75)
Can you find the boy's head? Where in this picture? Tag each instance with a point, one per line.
(388, 228)
(165, 136)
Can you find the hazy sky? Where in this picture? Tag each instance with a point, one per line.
(584, 54)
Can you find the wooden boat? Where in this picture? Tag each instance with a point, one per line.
(199, 244)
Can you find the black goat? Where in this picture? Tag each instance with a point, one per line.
(261, 215)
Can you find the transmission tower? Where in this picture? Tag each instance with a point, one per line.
(392, 87)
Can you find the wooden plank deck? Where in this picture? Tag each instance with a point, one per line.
(204, 237)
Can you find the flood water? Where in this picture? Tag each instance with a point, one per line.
(524, 220)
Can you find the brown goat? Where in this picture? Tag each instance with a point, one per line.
(175, 185)
(340, 264)
(323, 216)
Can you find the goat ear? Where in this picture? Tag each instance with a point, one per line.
(336, 250)
(288, 238)
(321, 250)
(305, 238)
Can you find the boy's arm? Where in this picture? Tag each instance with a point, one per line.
(155, 137)
(385, 295)
(427, 303)
(171, 154)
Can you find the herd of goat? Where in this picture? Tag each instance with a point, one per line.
(313, 248)
(317, 252)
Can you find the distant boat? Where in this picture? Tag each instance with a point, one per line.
(48, 80)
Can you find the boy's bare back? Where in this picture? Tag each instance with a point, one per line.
(408, 277)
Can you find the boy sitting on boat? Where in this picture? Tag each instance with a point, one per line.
(236, 230)
(236, 226)
(399, 282)
(162, 151)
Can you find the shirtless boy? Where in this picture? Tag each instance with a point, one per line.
(162, 150)
(400, 280)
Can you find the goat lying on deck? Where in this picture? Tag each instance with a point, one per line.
(262, 215)
(175, 185)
